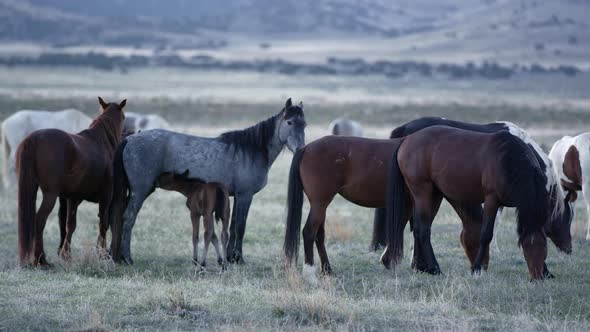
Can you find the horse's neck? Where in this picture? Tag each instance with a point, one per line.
(274, 147)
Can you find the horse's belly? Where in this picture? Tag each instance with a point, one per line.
(372, 196)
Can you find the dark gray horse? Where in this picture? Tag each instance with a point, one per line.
(240, 160)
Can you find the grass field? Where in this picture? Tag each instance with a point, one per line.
(163, 291)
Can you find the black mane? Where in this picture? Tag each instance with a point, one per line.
(252, 140)
(527, 183)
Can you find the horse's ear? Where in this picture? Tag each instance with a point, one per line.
(288, 103)
(102, 103)
(301, 105)
(122, 104)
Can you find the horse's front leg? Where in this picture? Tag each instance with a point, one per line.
(242, 202)
(490, 210)
(63, 217)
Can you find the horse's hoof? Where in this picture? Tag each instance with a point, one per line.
(375, 247)
(223, 267)
(476, 270)
(238, 258)
(328, 272)
(127, 260)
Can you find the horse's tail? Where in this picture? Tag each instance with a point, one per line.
(395, 210)
(294, 206)
(27, 196)
(220, 201)
(119, 200)
(398, 132)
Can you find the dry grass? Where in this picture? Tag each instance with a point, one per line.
(162, 291)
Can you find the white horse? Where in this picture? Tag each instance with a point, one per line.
(345, 127)
(19, 125)
(135, 122)
(571, 157)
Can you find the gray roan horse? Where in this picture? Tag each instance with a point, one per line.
(240, 160)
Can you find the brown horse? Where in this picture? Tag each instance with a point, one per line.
(354, 167)
(74, 167)
(202, 200)
(467, 169)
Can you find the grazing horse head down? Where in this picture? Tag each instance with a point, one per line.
(468, 169)
(561, 213)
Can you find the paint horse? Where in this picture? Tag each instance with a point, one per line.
(571, 157)
(22, 123)
(468, 169)
(74, 167)
(202, 200)
(354, 167)
(239, 160)
(345, 127)
(562, 212)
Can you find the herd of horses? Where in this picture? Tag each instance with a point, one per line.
(478, 168)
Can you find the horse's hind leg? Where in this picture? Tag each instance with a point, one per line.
(487, 232)
(472, 219)
(379, 234)
(586, 193)
(103, 220)
(315, 220)
(62, 216)
(319, 243)
(65, 251)
(426, 207)
(136, 200)
(40, 220)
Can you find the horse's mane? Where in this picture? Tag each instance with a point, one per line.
(104, 128)
(527, 183)
(254, 139)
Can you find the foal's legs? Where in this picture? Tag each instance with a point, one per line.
(490, 209)
(208, 236)
(40, 220)
(65, 252)
(427, 203)
(195, 219)
(62, 216)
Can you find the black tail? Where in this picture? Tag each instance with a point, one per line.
(119, 201)
(395, 211)
(398, 132)
(27, 196)
(294, 206)
(220, 200)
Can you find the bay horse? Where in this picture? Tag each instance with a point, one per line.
(354, 167)
(571, 157)
(468, 169)
(19, 125)
(239, 160)
(74, 167)
(203, 199)
(562, 210)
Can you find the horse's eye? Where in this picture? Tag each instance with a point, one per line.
(289, 122)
